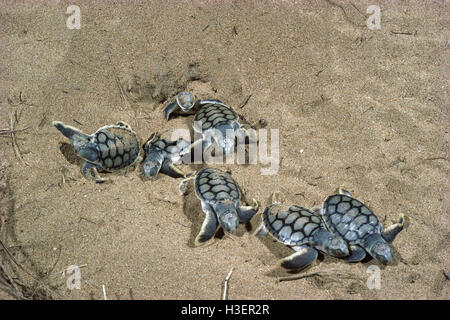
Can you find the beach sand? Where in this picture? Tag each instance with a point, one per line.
(356, 108)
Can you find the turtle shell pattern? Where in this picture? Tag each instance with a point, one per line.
(350, 218)
(212, 115)
(294, 226)
(213, 186)
(117, 147)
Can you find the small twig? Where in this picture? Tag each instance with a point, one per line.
(353, 5)
(245, 102)
(206, 27)
(25, 270)
(104, 292)
(7, 131)
(49, 187)
(86, 219)
(131, 294)
(300, 194)
(225, 284)
(167, 200)
(404, 33)
(13, 137)
(121, 92)
(308, 275)
(435, 158)
(319, 274)
(21, 100)
(77, 122)
(56, 262)
(11, 281)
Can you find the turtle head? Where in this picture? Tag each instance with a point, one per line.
(185, 100)
(81, 142)
(150, 168)
(338, 247)
(330, 243)
(379, 249)
(227, 216)
(152, 163)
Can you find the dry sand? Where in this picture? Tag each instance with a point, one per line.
(367, 107)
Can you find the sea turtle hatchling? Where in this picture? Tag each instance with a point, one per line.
(214, 121)
(303, 230)
(360, 227)
(161, 155)
(220, 199)
(110, 148)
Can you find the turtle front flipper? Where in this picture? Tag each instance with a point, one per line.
(344, 192)
(183, 187)
(356, 254)
(390, 233)
(169, 169)
(93, 171)
(301, 259)
(171, 107)
(123, 124)
(245, 213)
(209, 226)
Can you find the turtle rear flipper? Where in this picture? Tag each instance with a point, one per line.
(245, 213)
(209, 226)
(304, 257)
(344, 192)
(93, 170)
(261, 230)
(390, 233)
(69, 131)
(356, 254)
(169, 169)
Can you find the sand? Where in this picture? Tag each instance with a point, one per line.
(356, 108)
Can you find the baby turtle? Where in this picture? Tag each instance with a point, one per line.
(110, 148)
(186, 103)
(220, 198)
(360, 227)
(214, 121)
(161, 155)
(304, 231)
